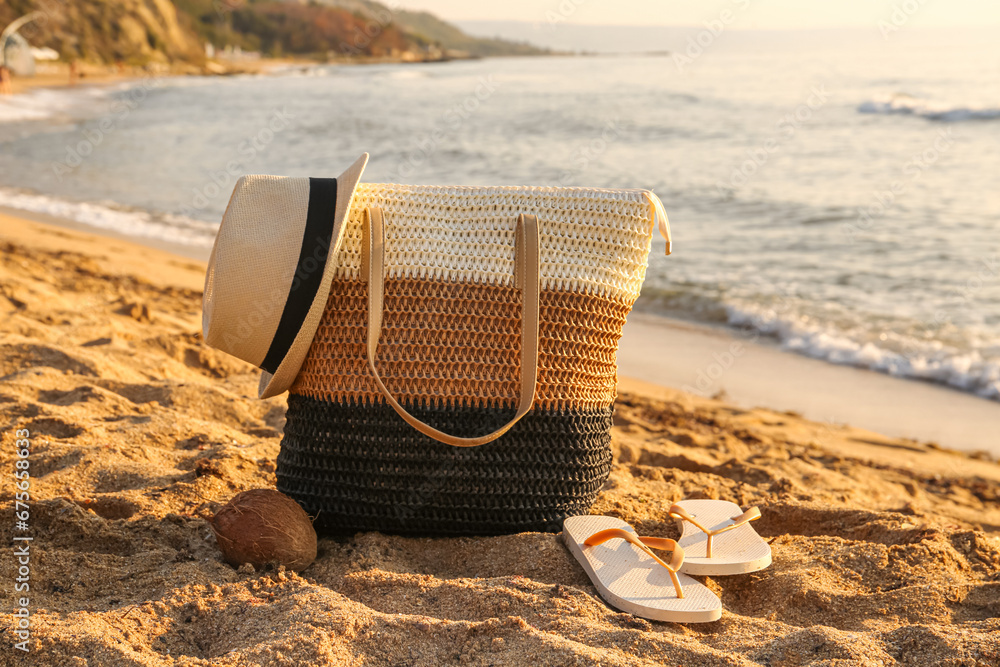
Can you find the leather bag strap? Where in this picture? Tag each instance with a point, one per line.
(526, 277)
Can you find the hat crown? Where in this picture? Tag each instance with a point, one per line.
(256, 249)
(269, 273)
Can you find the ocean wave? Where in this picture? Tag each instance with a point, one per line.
(132, 222)
(903, 104)
(45, 103)
(932, 361)
(682, 300)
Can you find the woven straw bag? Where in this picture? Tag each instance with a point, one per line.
(462, 376)
(449, 352)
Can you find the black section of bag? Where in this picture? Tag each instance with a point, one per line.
(360, 467)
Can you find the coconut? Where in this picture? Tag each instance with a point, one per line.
(262, 526)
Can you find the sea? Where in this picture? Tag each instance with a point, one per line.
(839, 197)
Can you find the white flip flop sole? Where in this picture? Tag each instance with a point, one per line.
(737, 551)
(630, 580)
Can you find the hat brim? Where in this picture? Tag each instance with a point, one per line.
(288, 369)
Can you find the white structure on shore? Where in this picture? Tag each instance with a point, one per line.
(15, 52)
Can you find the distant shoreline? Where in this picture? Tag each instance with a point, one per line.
(55, 76)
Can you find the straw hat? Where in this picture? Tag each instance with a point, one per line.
(270, 270)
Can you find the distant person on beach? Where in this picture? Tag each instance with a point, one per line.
(5, 85)
(74, 72)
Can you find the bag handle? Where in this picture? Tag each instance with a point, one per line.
(526, 277)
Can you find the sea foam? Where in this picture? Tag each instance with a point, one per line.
(132, 222)
(46, 103)
(932, 361)
(903, 104)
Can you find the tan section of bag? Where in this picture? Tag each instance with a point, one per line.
(447, 343)
(525, 280)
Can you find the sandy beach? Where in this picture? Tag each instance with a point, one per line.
(886, 550)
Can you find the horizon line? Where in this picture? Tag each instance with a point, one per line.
(730, 27)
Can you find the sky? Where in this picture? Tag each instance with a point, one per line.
(750, 14)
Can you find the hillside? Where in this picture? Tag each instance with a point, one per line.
(291, 28)
(133, 31)
(433, 30)
(139, 32)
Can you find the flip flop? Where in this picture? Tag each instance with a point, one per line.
(630, 577)
(717, 538)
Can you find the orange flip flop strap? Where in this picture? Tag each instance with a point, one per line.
(678, 512)
(751, 514)
(676, 560)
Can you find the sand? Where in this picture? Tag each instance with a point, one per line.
(886, 551)
(750, 370)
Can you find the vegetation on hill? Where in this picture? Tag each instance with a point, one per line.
(291, 28)
(132, 31)
(433, 30)
(143, 31)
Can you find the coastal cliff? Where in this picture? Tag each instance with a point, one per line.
(131, 31)
(140, 32)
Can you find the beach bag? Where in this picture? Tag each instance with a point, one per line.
(449, 351)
